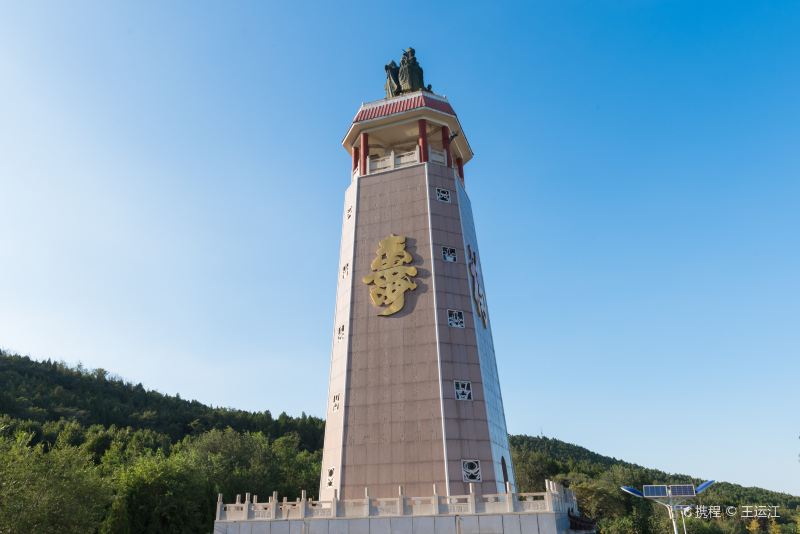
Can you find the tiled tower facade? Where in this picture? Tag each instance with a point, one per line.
(414, 397)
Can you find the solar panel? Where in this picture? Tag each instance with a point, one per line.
(682, 490)
(652, 492)
(704, 486)
(632, 491)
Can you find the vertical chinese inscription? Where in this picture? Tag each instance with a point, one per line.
(477, 291)
(391, 278)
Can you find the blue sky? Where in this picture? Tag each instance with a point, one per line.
(171, 180)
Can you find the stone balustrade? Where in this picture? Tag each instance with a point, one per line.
(395, 160)
(556, 499)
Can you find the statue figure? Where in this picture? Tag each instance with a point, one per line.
(392, 86)
(404, 79)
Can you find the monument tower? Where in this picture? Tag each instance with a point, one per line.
(415, 436)
(414, 397)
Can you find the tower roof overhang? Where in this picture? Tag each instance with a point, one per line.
(420, 105)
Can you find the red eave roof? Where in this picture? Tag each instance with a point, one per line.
(390, 108)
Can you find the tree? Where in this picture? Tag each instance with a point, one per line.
(234, 462)
(703, 526)
(55, 492)
(298, 469)
(599, 499)
(160, 494)
(619, 525)
(531, 468)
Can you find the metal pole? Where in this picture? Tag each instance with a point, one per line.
(671, 515)
(672, 509)
(683, 518)
(674, 521)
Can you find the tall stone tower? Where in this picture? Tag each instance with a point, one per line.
(414, 397)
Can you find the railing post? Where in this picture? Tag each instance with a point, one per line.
(435, 501)
(303, 504)
(335, 503)
(247, 506)
(273, 505)
(401, 501)
(548, 501)
(471, 498)
(219, 506)
(366, 507)
(509, 497)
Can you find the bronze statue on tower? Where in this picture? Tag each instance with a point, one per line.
(407, 78)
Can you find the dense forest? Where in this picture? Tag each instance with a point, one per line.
(82, 451)
(596, 480)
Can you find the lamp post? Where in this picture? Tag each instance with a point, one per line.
(671, 497)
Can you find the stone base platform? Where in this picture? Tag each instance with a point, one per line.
(526, 523)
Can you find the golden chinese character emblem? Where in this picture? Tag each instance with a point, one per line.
(391, 278)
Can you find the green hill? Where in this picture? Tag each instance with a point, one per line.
(49, 391)
(83, 451)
